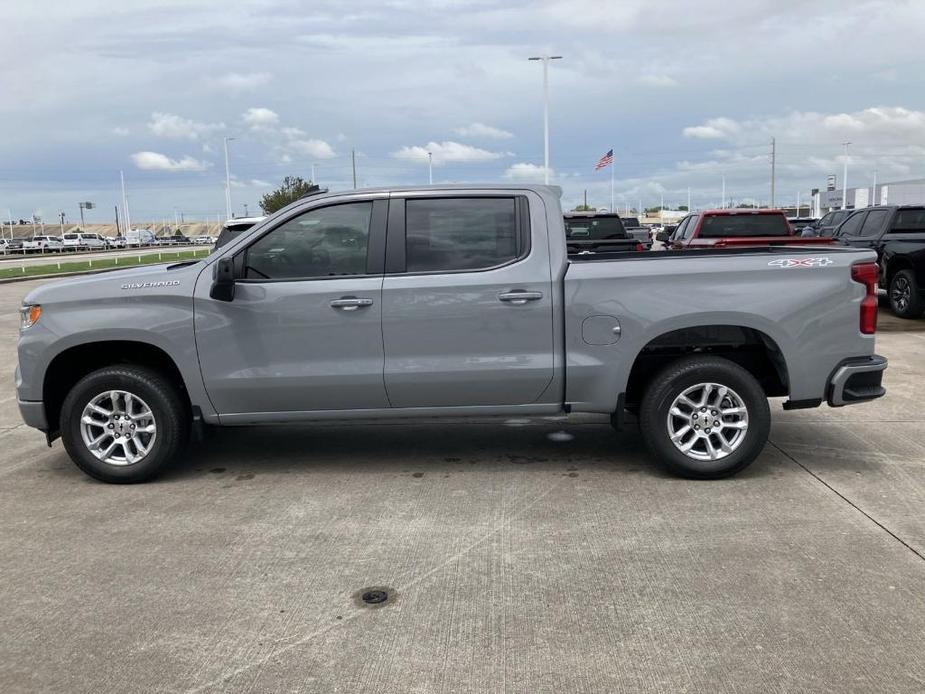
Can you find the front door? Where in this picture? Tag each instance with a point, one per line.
(467, 303)
(303, 331)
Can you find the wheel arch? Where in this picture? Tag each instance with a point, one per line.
(751, 348)
(73, 363)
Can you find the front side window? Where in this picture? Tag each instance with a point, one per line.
(324, 242)
(852, 225)
(446, 234)
(874, 222)
(691, 226)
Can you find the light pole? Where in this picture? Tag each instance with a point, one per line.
(430, 168)
(873, 191)
(844, 182)
(227, 179)
(546, 59)
(724, 192)
(245, 209)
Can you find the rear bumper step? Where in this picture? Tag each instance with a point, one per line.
(857, 380)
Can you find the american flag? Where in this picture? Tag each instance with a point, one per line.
(606, 160)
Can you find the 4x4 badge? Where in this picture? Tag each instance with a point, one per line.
(800, 262)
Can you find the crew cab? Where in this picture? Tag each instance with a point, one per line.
(588, 232)
(735, 227)
(636, 231)
(445, 301)
(42, 244)
(897, 234)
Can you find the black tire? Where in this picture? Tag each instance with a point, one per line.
(905, 300)
(686, 373)
(171, 416)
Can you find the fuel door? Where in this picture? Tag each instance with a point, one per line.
(600, 330)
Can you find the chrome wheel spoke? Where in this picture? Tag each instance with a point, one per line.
(707, 421)
(118, 427)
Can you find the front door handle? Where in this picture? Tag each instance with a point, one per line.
(519, 297)
(351, 303)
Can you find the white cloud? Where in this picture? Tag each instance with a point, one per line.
(259, 183)
(657, 81)
(155, 161)
(260, 118)
(294, 133)
(176, 127)
(317, 149)
(121, 132)
(240, 82)
(485, 131)
(523, 171)
(444, 152)
(713, 129)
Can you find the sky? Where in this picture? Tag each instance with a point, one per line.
(685, 93)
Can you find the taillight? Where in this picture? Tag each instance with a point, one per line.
(866, 274)
(640, 247)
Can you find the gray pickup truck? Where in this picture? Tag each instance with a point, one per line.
(449, 300)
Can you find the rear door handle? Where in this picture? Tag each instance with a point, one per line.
(351, 303)
(519, 297)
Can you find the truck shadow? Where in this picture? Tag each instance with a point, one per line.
(428, 448)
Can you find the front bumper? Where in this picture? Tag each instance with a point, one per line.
(33, 414)
(856, 380)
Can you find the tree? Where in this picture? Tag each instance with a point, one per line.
(584, 208)
(293, 188)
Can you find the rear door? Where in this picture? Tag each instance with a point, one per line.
(467, 303)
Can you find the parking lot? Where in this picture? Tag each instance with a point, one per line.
(542, 556)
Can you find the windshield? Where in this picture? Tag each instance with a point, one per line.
(744, 225)
(594, 228)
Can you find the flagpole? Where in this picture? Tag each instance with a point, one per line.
(611, 182)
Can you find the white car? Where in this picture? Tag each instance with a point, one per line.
(140, 237)
(204, 240)
(43, 244)
(80, 240)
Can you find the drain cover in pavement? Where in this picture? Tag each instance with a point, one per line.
(374, 597)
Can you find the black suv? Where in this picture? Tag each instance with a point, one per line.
(897, 233)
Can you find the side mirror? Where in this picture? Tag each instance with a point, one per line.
(662, 236)
(223, 280)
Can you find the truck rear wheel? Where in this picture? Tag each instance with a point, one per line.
(905, 300)
(123, 424)
(705, 417)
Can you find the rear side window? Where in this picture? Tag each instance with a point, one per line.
(594, 228)
(447, 234)
(909, 221)
(744, 225)
(70, 237)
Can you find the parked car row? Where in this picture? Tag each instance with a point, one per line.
(84, 241)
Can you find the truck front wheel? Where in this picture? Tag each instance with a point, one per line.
(123, 424)
(705, 417)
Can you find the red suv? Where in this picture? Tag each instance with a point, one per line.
(736, 227)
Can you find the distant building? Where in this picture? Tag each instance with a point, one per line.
(895, 193)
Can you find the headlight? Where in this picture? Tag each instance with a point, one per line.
(29, 315)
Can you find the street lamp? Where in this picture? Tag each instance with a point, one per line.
(546, 59)
(430, 168)
(227, 179)
(844, 182)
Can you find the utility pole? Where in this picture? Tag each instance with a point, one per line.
(127, 220)
(545, 59)
(873, 191)
(773, 165)
(118, 227)
(430, 168)
(844, 183)
(353, 159)
(227, 179)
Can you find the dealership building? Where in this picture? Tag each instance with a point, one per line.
(898, 193)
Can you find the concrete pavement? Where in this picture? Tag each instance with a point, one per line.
(549, 557)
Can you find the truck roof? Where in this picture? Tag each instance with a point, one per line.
(741, 211)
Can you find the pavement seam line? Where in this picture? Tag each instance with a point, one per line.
(848, 501)
(260, 662)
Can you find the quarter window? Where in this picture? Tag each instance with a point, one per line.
(446, 234)
(324, 242)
